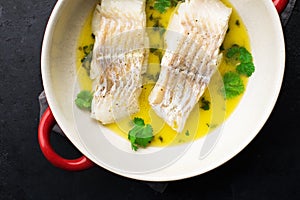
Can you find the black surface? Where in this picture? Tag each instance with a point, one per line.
(269, 168)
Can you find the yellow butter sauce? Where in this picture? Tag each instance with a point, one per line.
(85, 39)
(200, 121)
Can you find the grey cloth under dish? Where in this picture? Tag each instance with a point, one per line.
(285, 15)
(158, 186)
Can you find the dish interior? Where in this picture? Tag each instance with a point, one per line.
(210, 111)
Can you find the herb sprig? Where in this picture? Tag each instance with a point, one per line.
(233, 85)
(141, 134)
(84, 100)
(242, 59)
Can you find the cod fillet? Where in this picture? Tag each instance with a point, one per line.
(195, 33)
(118, 59)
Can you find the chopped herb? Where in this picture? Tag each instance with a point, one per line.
(151, 17)
(140, 135)
(152, 50)
(187, 133)
(84, 100)
(156, 26)
(87, 59)
(86, 63)
(233, 85)
(87, 49)
(163, 5)
(161, 139)
(228, 30)
(204, 104)
(237, 22)
(211, 126)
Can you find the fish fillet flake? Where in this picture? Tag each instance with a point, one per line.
(195, 33)
(118, 59)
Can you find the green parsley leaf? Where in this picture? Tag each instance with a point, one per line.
(141, 134)
(234, 50)
(145, 136)
(246, 69)
(132, 139)
(245, 55)
(233, 85)
(162, 5)
(138, 121)
(84, 100)
(242, 58)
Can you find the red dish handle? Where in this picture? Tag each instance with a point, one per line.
(46, 124)
(280, 5)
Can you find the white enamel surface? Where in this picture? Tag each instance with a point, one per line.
(98, 144)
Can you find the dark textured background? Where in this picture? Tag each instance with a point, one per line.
(269, 168)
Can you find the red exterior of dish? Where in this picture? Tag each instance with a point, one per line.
(46, 124)
(280, 4)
